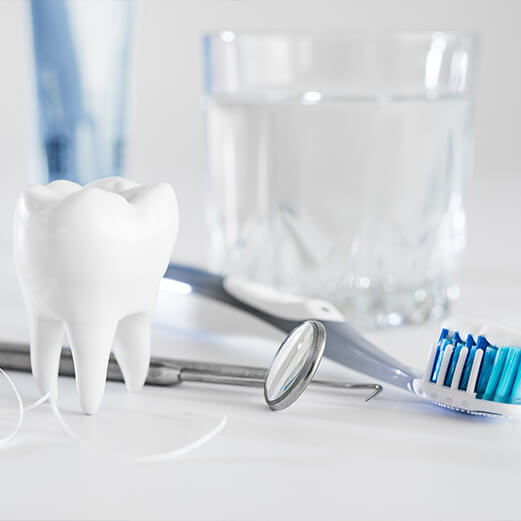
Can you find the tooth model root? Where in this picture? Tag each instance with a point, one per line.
(91, 343)
(46, 344)
(130, 342)
(132, 349)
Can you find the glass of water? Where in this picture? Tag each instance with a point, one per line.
(338, 163)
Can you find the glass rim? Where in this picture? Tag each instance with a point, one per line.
(229, 35)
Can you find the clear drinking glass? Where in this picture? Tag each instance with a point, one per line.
(82, 56)
(337, 165)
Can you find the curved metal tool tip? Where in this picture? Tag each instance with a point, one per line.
(377, 389)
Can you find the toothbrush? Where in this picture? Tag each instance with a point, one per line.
(475, 368)
(467, 370)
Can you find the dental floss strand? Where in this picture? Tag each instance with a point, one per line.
(51, 396)
(20, 404)
(190, 447)
(169, 455)
(21, 409)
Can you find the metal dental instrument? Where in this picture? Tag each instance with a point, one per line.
(289, 374)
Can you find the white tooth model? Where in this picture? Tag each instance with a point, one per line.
(89, 260)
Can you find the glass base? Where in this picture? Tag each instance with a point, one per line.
(365, 310)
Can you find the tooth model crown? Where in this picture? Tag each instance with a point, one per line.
(89, 261)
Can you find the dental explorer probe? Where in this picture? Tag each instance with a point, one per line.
(289, 374)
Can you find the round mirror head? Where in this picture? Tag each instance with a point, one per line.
(294, 364)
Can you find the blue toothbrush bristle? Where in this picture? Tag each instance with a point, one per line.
(458, 346)
(465, 375)
(456, 338)
(444, 334)
(499, 375)
(442, 344)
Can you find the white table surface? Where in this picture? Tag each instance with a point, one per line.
(329, 456)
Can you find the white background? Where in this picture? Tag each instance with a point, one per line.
(327, 458)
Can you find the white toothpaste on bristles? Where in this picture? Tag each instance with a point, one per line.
(89, 262)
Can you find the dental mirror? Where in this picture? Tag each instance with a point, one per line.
(294, 364)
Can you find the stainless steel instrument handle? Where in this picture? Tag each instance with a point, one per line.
(220, 377)
(162, 371)
(168, 372)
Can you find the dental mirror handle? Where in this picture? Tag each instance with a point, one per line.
(167, 372)
(162, 371)
(344, 344)
(187, 375)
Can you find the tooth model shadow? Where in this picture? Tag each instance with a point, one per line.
(89, 261)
